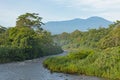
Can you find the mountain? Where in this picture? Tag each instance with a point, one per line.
(57, 27)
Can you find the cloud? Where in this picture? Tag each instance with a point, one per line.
(108, 9)
(59, 9)
(90, 4)
(113, 16)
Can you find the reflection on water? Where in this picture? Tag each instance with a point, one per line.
(34, 70)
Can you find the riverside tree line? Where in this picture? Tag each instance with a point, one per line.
(95, 52)
(27, 40)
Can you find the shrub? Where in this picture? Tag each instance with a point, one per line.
(103, 64)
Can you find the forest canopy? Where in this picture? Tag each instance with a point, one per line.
(95, 52)
(27, 40)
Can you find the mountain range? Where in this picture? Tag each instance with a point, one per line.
(57, 27)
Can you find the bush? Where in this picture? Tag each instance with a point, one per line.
(81, 54)
(103, 64)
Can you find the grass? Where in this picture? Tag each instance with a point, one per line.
(104, 63)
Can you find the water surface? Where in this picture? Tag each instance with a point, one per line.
(34, 70)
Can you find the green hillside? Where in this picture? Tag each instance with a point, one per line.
(95, 52)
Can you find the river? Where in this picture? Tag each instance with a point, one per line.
(34, 70)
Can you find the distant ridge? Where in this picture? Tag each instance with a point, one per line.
(57, 27)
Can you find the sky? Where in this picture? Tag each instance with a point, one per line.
(58, 10)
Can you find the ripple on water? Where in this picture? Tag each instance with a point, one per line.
(34, 70)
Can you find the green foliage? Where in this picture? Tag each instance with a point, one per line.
(31, 20)
(103, 60)
(78, 39)
(81, 54)
(2, 29)
(112, 39)
(103, 64)
(93, 38)
(25, 42)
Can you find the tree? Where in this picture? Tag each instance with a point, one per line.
(2, 29)
(112, 39)
(26, 40)
(31, 20)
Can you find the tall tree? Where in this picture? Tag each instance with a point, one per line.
(31, 20)
(2, 29)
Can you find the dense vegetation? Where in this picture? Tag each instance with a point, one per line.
(95, 52)
(27, 40)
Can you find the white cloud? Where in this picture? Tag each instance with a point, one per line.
(105, 8)
(113, 16)
(93, 4)
(60, 10)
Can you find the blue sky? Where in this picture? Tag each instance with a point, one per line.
(57, 10)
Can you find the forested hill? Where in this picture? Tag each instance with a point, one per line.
(57, 27)
(95, 52)
(93, 38)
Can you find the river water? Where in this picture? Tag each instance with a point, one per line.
(34, 70)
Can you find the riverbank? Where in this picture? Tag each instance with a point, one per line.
(103, 63)
(34, 70)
